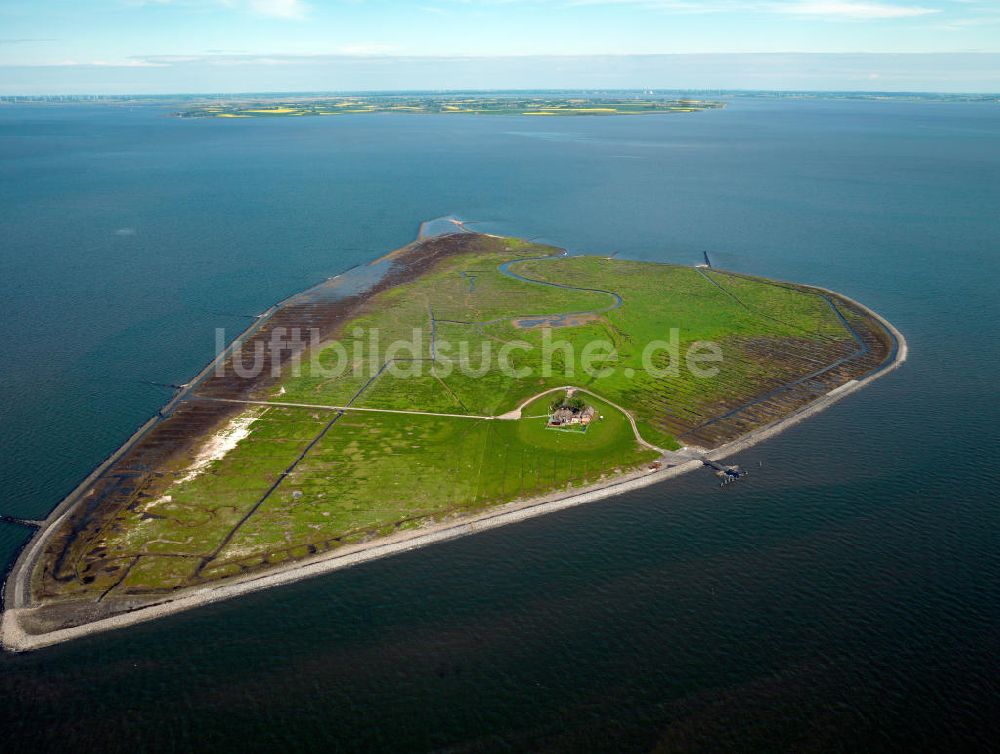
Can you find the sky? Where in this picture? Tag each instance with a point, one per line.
(171, 46)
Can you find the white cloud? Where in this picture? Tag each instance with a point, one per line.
(850, 9)
(289, 9)
(366, 48)
(128, 63)
(667, 5)
(832, 9)
(835, 9)
(967, 23)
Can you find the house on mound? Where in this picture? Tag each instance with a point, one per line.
(569, 411)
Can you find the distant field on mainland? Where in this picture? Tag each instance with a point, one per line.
(547, 105)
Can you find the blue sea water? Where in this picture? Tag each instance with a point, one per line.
(845, 597)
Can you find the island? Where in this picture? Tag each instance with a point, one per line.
(463, 382)
(550, 104)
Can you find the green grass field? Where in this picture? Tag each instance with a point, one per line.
(700, 305)
(374, 473)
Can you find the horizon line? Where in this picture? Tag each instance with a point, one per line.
(501, 90)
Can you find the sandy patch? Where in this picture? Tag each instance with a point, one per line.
(218, 445)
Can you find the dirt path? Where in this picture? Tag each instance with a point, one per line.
(326, 407)
(513, 415)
